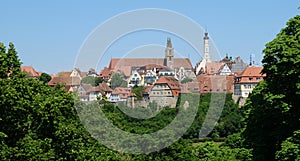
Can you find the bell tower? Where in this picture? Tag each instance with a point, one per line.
(206, 47)
(169, 54)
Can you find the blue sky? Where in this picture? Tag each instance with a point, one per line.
(49, 34)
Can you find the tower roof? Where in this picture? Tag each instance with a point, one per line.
(206, 36)
(169, 43)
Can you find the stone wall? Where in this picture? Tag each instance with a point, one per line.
(161, 102)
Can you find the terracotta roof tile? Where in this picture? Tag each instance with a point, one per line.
(252, 71)
(64, 74)
(87, 87)
(65, 80)
(105, 73)
(125, 64)
(122, 92)
(213, 67)
(30, 70)
(104, 87)
(251, 75)
(171, 82)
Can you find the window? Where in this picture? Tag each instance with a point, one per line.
(250, 78)
(135, 75)
(257, 78)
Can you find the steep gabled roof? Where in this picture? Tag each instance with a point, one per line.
(106, 72)
(104, 87)
(122, 92)
(30, 70)
(65, 80)
(170, 80)
(252, 72)
(213, 67)
(64, 74)
(87, 87)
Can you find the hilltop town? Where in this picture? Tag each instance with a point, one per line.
(159, 80)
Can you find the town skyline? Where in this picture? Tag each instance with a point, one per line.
(43, 37)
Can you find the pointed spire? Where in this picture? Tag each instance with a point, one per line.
(206, 47)
(169, 43)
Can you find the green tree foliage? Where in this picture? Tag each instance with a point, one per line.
(9, 61)
(216, 152)
(45, 77)
(185, 80)
(40, 122)
(117, 80)
(273, 106)
(138, 91)
(94, 81)
(228, 123)
(290, 148)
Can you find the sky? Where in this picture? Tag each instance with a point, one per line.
(49, 35)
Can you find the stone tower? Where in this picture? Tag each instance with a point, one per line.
(206, 47)
(169, 57)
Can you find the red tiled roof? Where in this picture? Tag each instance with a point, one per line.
(64, 74)
(123, 92)
(147, 89)
(151, 66)
(30, 70)
(252, 71)
(104, 87)
(251, 75)
(106, 73)
(65, 80)
(171, 82)
(87, 87)
(213, 67)
(125, 64)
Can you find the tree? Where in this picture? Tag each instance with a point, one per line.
(138, 92)
(94, 81)
(39, 122)
(9, 61)
(45, 77)
(116, 80)
(185, 80)
(273, 107)
(290, 148)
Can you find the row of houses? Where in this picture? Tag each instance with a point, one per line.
(162, 77)
(163, 91)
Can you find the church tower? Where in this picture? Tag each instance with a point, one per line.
(206, 47)
(201, 66)
(169, 57)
